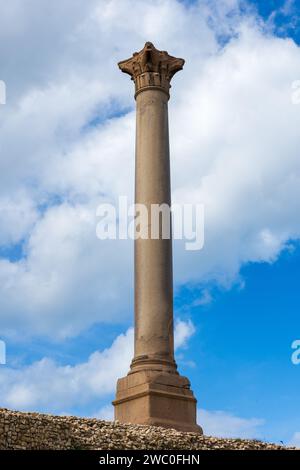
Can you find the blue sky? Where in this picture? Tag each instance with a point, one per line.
(67, 145)
(246, 335)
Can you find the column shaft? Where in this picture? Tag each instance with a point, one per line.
(153, 257)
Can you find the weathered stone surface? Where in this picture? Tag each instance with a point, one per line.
(151, 68)
(153, 393)
(34, 431)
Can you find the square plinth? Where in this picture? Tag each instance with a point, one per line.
(156, 399)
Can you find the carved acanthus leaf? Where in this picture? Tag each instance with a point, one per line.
(151, 68)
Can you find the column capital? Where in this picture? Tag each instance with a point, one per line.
(151, 68)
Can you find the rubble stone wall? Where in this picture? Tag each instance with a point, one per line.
(34, 431)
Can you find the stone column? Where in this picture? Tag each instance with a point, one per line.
(153, 257)
(153, 392)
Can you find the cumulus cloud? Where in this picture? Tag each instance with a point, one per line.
(223, 424)
(106, 413)
(47, 386)
(295, 441)
(67, 144)
(18, 215)
(243, 155)
(216, 423)
(58, 284)
(183, 331)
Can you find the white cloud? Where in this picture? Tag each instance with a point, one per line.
(223, 424)
(44, 385)
(106, 413)
(295, 441)
(17, 217)
(234, 148)
(217, 424)
(234, 141)
(204, 299)
(47, 386)
(69, 271)
(183, 332)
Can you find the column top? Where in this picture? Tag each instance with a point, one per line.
(151, 68)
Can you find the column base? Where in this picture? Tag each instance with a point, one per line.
(156, 399)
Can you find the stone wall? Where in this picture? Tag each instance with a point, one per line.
(37, 431)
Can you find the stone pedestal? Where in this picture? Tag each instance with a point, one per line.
(153, 392)
(158, 399)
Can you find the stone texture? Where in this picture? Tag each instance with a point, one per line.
(33, 431)
(153, 392)
(157, 399)
(151, 68)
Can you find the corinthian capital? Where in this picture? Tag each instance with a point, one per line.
(151, 68)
